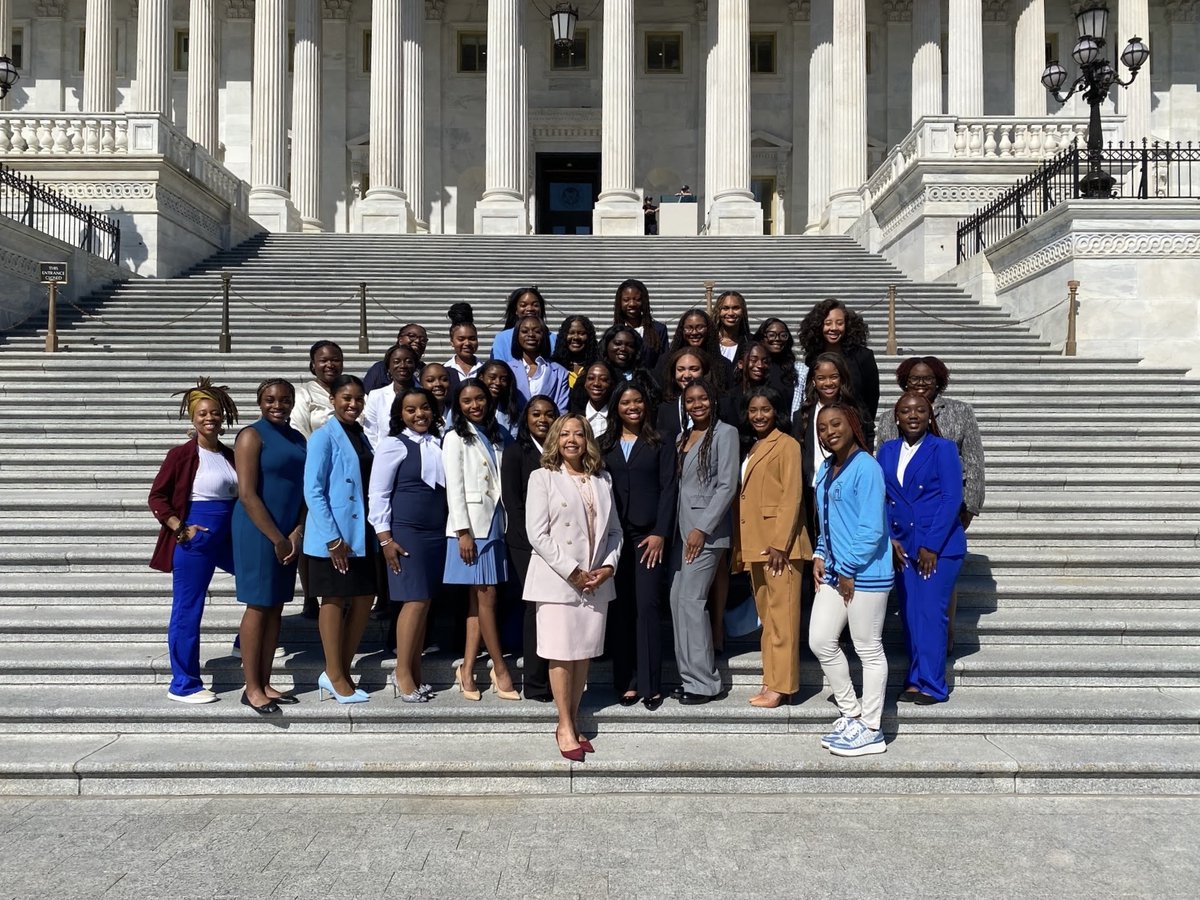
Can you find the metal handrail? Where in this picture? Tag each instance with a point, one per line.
(25, 199)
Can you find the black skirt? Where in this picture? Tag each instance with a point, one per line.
(325, 581)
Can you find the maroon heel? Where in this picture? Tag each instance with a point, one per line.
(585, 745)
(575, 755)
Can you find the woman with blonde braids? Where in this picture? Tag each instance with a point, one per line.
(193, 498)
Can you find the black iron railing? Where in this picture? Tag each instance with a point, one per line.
(1149, 171)
(26, 200)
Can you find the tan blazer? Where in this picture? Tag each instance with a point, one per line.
(554, 521)
(768, 507)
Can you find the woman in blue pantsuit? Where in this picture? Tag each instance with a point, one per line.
(923, 477)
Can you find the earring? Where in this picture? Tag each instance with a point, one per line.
(191, 432)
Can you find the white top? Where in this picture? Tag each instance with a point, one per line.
(452, 366)
(539, 379)
(391, 453)
(313, 407)
(819, 452)
(377, 414)
(597, 418)
(730, 353)
(907, 452)
(216, 479)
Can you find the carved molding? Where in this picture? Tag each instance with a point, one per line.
(19, 264)
(188, 212)
(898, 10)
(50, 9)
(565, 124)
(336, 9)
(1100, 245)
(435, 10)
(105, 190)
(800, 10)
(906, 214)
(995, 10)
(1182, 10)
(239, 9)
(976, 193)
(701, 10)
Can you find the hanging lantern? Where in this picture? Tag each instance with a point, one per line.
(1092, 21)
(563, 20)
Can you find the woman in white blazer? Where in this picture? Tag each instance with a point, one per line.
(475, 551)
(572, 524)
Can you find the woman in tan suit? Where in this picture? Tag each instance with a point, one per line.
(772, 544)
(572, 525)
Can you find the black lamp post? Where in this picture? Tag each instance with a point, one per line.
(8, 75)
(1096, 76)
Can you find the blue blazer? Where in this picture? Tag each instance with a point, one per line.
(556, 384)
(334, 492)
(923, 512)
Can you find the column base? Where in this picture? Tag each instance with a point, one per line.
(501, 215)
(384, 212)
(311, 226)
(736, 214)
(273, 210)
(619, 214)
(845, 208)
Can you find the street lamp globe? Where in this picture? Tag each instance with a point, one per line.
(1135, 54)
(1087, 51)
(1055, 76)
(1092, 20)
(8, 75)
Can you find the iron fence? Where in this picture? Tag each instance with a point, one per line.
(24, 199)
(1140, 172)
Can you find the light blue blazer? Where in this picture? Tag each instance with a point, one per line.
(923, 512)
(334, 492)
(556, 383)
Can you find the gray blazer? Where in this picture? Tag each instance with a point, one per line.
(706, 504)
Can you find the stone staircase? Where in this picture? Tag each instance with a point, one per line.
(1079, 608)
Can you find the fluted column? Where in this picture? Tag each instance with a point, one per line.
(306, 115)
(153, 57)
(270, 203)
(502, 209)
(927, 59)
(1029, 59)
(99, 65)
(617, 209)
(1133, 20)
(966, 59)
(6, 36)
(734, 209)
(384, 210)
(414, 109)
(849, 169)
(202, 73)
(820, 111)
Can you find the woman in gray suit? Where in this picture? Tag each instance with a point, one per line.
(707, 467)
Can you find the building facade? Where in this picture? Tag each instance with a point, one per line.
(453, 116)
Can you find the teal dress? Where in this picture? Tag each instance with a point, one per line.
(260, 579)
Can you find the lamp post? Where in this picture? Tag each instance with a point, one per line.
(1096, 76)
(8, 76)
(563, 20)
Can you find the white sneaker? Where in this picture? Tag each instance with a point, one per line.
(860, 741)
(839, 727)
(201, 696)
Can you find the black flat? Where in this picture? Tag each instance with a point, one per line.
(687, 698)
(907, 697)
(628, 701)
(540, 698)
(268, 708)
(677, 693)
(653, 703)
(926, 700)
(286, 700)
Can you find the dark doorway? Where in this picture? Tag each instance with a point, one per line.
(567, 187)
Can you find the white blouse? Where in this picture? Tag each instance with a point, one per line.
(215, 479)
(313, 407)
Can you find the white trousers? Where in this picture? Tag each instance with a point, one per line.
(865, 614)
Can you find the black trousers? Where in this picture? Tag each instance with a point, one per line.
(634, 622)
(536, 677)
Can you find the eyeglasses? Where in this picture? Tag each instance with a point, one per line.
(775, 335)
(695, 329)
(921, 379)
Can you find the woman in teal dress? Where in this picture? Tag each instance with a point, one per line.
(267, 528)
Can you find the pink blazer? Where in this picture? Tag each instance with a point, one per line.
(554, 521)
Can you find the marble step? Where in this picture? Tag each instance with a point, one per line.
(279, 762)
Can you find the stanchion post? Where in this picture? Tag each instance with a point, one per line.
(52, 320)
(708, 296)
(1072, 308)
(364, 344)
(225, 341)
(891, 337)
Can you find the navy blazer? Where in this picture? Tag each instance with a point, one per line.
(644, 487)
(923, 512)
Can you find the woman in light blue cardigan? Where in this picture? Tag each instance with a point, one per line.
(339, 543)
(852, 567)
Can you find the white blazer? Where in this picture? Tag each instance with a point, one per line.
(472, 485)
(554, 521)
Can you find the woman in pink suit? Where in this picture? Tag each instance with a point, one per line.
(572, 524)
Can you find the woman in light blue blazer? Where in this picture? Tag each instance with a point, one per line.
(923, 478)
(533, 371)
(338, 541)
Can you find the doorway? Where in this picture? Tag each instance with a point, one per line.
(567, 187)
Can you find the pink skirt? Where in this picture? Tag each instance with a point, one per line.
(571, 631)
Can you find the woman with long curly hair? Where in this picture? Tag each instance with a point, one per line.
(832, 327)
(577, 346)
(631, 307)
(788, 374)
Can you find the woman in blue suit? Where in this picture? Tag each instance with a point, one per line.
(533, 371)
(923, 478)
(338, 541)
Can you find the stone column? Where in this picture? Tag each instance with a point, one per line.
(413, 29)
(270, 203)
(1133, 20)
(99, 64)
(966, 59)
(502, 209)
(306, 115)
(335, 195)
(820, 111)
(153, 92)
(617, 209)
(45, 57)
(712, 65)
(734, 209)
(927, 59)
(6, 36)
(384, 210)
(849, 139)
(1029, 59)
(202, 73)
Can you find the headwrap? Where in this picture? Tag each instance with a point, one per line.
(206, 390)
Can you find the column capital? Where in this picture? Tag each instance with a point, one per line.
(995, 10)
(898, 10)
(336, 9)
(435, 10)
(800, 10)
(52, 9)
(239, 9)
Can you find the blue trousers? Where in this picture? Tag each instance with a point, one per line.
(925, 608)
(192, 570)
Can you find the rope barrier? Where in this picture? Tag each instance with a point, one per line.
(375, 300)
(106, 324)
(930, 315)
(297, 315)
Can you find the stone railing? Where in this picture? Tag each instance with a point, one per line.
(71, 136)
(985, 138)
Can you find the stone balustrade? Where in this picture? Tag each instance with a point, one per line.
(78, 136)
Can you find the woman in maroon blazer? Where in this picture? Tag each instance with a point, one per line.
(193, 498)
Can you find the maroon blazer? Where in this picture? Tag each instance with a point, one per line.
(171, 495)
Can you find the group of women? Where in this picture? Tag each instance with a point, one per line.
(595, 474)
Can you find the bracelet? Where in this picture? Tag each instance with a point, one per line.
(335, 544)
(383, 544)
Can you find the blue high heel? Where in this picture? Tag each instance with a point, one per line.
(325, 686)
